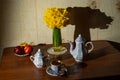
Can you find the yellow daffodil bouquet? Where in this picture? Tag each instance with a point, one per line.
(56, 18)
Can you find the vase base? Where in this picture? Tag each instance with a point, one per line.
(57, 52)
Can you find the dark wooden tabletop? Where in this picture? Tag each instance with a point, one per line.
(102, 63)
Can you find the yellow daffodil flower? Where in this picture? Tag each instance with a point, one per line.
(56, 17)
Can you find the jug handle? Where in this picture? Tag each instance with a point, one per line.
(92, 47)
(32, 58)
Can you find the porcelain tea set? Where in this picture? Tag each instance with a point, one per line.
(56, 68)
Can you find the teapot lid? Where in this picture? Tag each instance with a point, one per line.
(79, 38)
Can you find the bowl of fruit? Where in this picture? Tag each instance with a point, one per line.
(24, 49)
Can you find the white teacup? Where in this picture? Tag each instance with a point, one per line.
(56, 66)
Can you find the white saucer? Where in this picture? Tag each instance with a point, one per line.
(51, 51)
(21, 55)
(60, 73)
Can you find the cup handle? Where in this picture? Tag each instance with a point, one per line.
(92, 47)
(32, 58)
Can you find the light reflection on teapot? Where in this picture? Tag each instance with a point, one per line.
(80, 50)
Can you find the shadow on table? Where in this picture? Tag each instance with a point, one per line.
(117, 77)
(97, 53)
(74, 68)
(115, 45)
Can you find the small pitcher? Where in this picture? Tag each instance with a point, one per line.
(37, 59)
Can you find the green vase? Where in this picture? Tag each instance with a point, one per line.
(57, 40)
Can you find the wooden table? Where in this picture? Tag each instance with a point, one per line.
(102, 63)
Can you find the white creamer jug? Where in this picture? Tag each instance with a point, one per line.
(37, 59)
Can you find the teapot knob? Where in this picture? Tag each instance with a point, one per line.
(79, 38)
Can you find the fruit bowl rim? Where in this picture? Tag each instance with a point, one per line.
(21, 55)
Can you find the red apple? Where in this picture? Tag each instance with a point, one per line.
(18, 50)
(28, 49)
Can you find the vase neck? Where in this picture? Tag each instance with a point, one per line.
(57, 40)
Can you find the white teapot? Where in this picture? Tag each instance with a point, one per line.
(37, 59)
(80, 50)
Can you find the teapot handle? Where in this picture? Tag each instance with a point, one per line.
(32, 58)
(92, 47)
